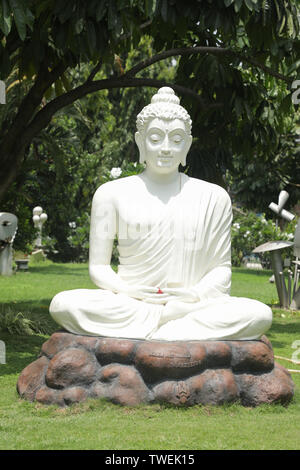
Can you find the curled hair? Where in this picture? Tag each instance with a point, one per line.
(164, 105)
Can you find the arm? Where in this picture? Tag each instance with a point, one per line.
(102, 234)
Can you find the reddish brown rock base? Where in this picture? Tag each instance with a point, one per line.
(72, 368)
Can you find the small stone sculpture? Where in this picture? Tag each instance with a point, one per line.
(2, 92)
(39, 218)
(8, 230)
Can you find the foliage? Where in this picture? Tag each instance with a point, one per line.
(63, 168)
(16, 323)
(73, 157)
(248, 123)
(257, 181)
(232, 61)
(250, 230)
(232, 53)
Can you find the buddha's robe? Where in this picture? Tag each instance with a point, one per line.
(187, 244)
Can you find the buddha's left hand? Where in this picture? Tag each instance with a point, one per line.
(167, 294)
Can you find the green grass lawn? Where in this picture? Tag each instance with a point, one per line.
(98, 424)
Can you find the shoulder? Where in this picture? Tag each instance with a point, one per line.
(214, 191)
(112, 190)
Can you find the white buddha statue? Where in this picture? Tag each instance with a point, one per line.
(174, 274)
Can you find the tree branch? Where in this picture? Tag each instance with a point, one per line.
(33, 98)
(43, 117)
(183, 51)
(127, 80)
(94, 71)
(265, 68)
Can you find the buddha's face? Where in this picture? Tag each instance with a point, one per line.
(164, 144)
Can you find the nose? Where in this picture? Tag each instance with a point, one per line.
(165, 150)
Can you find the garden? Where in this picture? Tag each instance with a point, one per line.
(97, 424)
(73, 78)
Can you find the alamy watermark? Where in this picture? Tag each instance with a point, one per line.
(2, 352)
(296, 94)
(2, 92)
(295, 355)
(106, 223)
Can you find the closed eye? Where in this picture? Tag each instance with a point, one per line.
(177, 139)
(155, 138)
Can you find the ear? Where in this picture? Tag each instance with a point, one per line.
(186, 150)
(140, 143)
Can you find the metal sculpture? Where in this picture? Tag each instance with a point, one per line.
(289, 295)
(278, 208)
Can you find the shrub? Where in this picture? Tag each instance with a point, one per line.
(27, 323)
(251, 230)
(16, 323)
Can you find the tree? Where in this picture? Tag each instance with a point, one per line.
(73, 156)
(257, 182)
(228, 49)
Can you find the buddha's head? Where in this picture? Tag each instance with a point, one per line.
(163, 132)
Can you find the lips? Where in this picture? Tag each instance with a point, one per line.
(164, 161)
(165, 158)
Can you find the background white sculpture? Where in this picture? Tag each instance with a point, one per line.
(278, 208)
(8, 230)
(39, 218)
(2, 92)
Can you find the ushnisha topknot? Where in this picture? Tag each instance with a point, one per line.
(164, 105)
(165, 95)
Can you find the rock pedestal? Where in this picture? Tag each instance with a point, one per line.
(72, 368)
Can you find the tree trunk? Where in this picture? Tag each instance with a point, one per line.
(9, 171)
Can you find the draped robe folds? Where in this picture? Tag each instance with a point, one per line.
(187, 244)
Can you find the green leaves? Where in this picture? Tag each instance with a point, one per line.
(150, 7)
(251, 4)
(287, 19)
(16, 323)
(19, 17)
(91, 36)
(101, 10)
(42, 34)
(17, 11)
(237, 5)
(5, 17)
